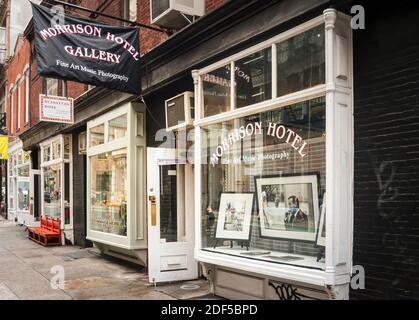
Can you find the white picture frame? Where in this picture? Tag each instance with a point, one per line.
(288, 206)
(234, 216)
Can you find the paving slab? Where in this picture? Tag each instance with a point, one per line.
(25, 273)
(6, 293)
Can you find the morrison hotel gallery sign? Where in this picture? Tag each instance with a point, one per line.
(84, 51)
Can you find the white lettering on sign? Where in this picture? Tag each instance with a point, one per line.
(56, 109)
(91, 31)
(273, 129)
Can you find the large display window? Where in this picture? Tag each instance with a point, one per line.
(115, 179)
(273, 133)
(56, 177)
(279, 158)
(19, 182)
(109, 191)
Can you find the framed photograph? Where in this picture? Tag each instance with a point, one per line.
(321, 233)
(288, 206)
(234, 216)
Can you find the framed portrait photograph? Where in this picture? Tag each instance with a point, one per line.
(234, 216)
(288, 206)
(321, 233)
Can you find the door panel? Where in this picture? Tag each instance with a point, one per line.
(170, 218)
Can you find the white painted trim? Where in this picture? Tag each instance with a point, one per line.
(286, 272)
(265, 44)
(283, 101)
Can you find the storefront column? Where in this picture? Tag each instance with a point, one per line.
(339, 154)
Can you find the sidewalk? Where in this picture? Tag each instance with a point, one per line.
(25, 273)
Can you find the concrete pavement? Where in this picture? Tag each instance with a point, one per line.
(25, 273)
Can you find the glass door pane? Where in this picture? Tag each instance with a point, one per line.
(172, 195)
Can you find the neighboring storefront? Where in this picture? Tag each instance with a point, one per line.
(56, 182)
(19, 185)
(116, 207)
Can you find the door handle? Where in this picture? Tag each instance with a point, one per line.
(153, 207)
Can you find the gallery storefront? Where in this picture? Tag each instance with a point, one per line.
(274, 135)
(56, 186)
(116, 210)
(19, 185)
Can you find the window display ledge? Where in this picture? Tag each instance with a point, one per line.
(276, 270)
(114, 241)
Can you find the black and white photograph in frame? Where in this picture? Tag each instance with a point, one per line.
(321, 233)
(288, 206)
(234, 216)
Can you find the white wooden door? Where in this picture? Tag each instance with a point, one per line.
(170, 217)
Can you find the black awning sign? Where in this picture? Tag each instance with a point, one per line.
(87, 52)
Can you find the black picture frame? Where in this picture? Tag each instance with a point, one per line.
(288, 175)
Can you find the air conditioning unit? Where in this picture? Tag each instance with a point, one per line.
(180, 111)
(175, 14)
(82, 143)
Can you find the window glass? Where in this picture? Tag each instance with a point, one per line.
(23, 171)
(56, 150)
(217, 91)
(67, 193)
(97, 135)
(20, 158)
(26, 157)
(263, 185)
(27, 86)
(23, 195)
(52, 87)
(67, 147)
(301, 61)
(11, 167)
(18, 103)
(11, 186)
(118, 128)
(168, 203)
(109, 190)
(11, 193)
(47, 153)
(253, 76)
(159, 6)
(52, 191)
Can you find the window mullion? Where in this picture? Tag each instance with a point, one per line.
(274, 71)
(232, 86)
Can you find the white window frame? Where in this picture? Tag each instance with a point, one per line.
(12, 111)
(27, 90)
(24, 163)
(135, 143)
(19, 100)
(339, 151)
(12, 175)
(61, 161)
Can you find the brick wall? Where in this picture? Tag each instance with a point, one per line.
(149, 38)
(213, 4)
(386, 231)
(15, 71)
